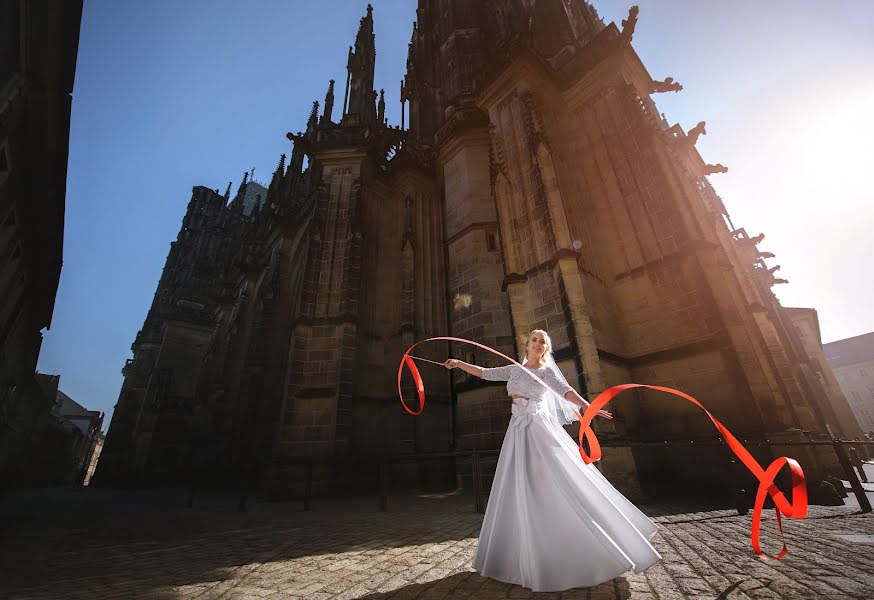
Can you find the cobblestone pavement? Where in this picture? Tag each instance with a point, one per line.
(101, 544)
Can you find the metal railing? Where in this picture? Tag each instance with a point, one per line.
(844, 450)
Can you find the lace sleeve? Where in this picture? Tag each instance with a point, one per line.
(498, 373)
(557, 382)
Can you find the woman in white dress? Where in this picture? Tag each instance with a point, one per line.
(553, 522)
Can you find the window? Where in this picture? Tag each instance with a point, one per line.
(491, 241)
(5, 166)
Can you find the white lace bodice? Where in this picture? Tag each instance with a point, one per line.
(520, 384)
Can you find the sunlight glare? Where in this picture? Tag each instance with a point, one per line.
(834, 150)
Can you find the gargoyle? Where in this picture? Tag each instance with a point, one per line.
(778, 280)
(668, 85)
(717, 168)
(766, 254)
(697, 131)
(628, 25)
(752, 241)
(772, 269)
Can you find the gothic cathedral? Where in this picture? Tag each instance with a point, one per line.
(535, 185)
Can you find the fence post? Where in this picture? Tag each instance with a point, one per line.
(383, 484)
(308, 485)
(477, 482)
(244, 495)
(740, 499)
(857, 462)
(844, 459)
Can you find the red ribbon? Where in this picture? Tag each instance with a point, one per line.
(794, 510)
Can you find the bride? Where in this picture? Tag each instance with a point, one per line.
(553, 522)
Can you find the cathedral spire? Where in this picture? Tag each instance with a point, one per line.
(237, 204)
(228, 192)
(279, 172)
(314, 115)
(329, 103)
(380, 108)
(360, 67)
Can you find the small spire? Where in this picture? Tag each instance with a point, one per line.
(311, 122)
(280, 170)
(329, 103)
(360, 71)
(242, 189)
(410, 65)
(380, 110)
(228, 191)
(403, 102)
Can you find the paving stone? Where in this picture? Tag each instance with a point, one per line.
(147, 545)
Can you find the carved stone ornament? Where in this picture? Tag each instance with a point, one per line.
(628, 25)
(668, 85)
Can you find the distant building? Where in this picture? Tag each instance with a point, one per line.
(58, 438)
(831, 408)
(852, 360)
(95, 457)
(38, 49)
(85, 426)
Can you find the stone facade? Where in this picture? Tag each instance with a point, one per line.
(852, 361)
(38, 49)
(536, 186)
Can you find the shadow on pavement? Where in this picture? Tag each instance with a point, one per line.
(473, 585)
(108, 543)
(141, 541)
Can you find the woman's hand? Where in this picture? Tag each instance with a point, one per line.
(573, 396)
(451, 363)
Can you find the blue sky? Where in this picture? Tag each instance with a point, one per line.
(169, 95)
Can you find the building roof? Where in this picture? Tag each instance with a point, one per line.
(48, 384)
(254, 189)
(72, 413)
(850, 351)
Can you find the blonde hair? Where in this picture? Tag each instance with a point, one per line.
(548, 352)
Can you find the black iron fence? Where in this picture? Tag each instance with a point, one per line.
(845, 450)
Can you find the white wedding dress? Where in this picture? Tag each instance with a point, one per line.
(553, 522)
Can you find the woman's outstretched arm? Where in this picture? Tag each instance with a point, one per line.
(452, 363)
(573, 397)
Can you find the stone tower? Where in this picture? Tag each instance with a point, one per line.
(610, 236)
(156, 409)
(337, 272)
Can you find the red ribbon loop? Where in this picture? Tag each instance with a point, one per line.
(797, 509)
